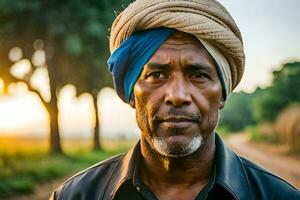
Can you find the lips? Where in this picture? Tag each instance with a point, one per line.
(178, 119)
(177, 122)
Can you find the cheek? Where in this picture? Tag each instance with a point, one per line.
(142, 96)
(215, 96)
(145, 105)
(208, 100)
(148, 97)
(208, 103)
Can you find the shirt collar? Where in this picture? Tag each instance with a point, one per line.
(230, 173)
(122, 172)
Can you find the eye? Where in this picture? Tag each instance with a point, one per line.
(155, 75)
(198, 76)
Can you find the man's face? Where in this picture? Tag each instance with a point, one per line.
(178, 97)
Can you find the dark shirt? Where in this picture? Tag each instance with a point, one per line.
(233, 177)
(140, 189)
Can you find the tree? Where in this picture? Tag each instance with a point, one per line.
(237, 113)
(280, 94)
(73, 33)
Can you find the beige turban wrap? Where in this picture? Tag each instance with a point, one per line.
(207, 20)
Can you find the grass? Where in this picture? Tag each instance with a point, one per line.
(223, 130)
(24, 166)
(258, 137)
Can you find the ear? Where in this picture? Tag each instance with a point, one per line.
(221, 104)
(131, 103)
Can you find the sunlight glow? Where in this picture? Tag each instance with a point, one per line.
(21, 68)
(15, 54)
(1, 86)
(40, 81)
(75, 114)
(17, 89)
(39, 58)
(22, 115)
(117, 118)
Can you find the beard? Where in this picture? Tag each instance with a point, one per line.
(175, 145)
(164, 148)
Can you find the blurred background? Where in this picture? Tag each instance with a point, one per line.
(60, 114)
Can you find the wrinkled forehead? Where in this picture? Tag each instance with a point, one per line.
(182, 37)
(182, 47)
(179, 39)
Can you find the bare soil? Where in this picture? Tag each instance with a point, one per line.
(273, 157)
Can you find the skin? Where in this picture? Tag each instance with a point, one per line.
(178, 97)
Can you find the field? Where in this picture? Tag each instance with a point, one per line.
(24, 162)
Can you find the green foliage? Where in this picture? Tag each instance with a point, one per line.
(74, 33)
(284, 91)
(19, 173)
(256, 136)
(73, 44)
(263, 105)
(223, 130)
(237, 112)
(95, 29)
(16, 185)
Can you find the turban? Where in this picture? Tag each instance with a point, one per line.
(207, 20)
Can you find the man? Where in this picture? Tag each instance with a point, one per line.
(176, 63)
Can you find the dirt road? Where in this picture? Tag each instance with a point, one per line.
(271, 157)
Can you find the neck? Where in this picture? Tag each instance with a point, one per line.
(158, 171)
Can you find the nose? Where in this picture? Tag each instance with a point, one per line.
(177, 92)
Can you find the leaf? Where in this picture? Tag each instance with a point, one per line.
(73, 45)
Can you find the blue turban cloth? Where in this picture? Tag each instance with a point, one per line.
(127, 61)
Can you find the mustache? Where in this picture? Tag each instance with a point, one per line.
(177, 113)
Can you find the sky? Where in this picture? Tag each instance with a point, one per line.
(271, 35)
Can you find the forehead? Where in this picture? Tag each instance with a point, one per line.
(183, 48)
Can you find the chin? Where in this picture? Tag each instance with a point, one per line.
(176, 146)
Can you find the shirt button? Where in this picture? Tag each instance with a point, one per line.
(138, 189)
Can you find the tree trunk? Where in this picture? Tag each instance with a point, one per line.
(5, 65)
(96, 138)
(55, 143)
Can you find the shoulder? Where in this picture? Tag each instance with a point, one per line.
(268, 185)
(88, 181)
